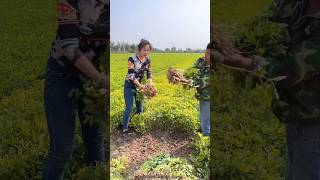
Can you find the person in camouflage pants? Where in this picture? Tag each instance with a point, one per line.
(298, 105)
(201, 83)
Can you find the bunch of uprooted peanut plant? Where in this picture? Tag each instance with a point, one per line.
(95, 103)
(95, 100)
(174, 75)
(147, 93)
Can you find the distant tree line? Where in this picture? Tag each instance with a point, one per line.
(124, 47)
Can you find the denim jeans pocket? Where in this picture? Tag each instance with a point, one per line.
(55, 70)
(59, 75)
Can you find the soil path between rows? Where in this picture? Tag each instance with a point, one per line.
(138, 148)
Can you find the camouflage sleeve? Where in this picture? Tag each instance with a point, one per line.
(203, 81)
(271, 65)
(68, 27)
(197, 64)
(276, 66)
(200, 81)
(301, 62)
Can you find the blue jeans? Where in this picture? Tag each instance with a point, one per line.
(61, 111)
(129, 97)
(303, 152)
(205, 117)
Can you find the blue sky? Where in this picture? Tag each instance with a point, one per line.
(165, 23)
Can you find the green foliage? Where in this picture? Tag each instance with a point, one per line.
(95, 103)
(99, 172)
(145, 94)
(201, 155)
(167, 113)
(262, 37)
(248, 141)
(190, 73)
(116, 109)
(24, 136)
(23, 140)
(26, 39)
(139, 94)
(119, 168)
(235, 11)
(167, 165)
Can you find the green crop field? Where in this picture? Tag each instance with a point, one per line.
(27, 31)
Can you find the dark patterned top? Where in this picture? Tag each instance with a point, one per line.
(140, 68)
(82, 24)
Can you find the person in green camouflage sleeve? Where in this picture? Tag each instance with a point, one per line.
(298, 105)
(201, 83)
